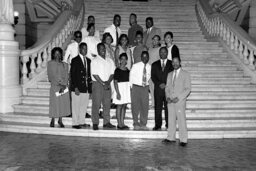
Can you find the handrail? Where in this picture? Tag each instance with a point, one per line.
(219, 25)
(40, 53)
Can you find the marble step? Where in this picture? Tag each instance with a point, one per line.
(236, 113)
(194, 98)
(186, 60)
(199, 114)
(191, 124)
(198, 102)
(195, 88)
(214, 133)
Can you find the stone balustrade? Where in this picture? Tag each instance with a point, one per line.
(35, 60)
(220, 26)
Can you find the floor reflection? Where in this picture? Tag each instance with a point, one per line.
(25, 152)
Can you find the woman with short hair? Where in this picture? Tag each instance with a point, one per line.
(59, 97)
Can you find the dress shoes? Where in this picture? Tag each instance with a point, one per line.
(109, 125)
(183, 144)
(136, 127)
(157, 129)
(87, 115)
(144, 128)
(85, 125)
(76, 127)
(95, 127)
(166, 141)
(61, 124)
(52, 124)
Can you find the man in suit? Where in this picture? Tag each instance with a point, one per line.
(150, 32)
(80, 86)
(159, 73)
(177, 90)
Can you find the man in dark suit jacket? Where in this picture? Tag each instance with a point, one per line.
(159, 73)
(80, 86)
(150, 32)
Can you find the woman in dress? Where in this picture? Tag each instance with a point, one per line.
(58, 76)
(173, 50)
(107, 40)
(123, 47)
(122, 94)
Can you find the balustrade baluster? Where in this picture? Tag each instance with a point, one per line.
(221, 29)
(44, 64)
(49, 49)
(251, 60)
(228, 36)
(245, 53)
(32, 66)
(224, 32)
(236, 45)
(232, 40)
(241, 50)
(24, 71)
(39, 62)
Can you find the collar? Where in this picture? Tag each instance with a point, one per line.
(163, 60)
(177, 71)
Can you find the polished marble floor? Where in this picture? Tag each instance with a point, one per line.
(29, 152)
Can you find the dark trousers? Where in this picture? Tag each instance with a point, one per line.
(140, 104)
(99, 95)
(160, 101)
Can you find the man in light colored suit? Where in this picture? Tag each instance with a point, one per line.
(150, 32)
(177, 90)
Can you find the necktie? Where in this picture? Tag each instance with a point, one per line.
(144, 76)
(116, 36)
(84, 62)
(174, 78)
(85, 70)
(163, 65)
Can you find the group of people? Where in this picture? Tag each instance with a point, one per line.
(120, 69)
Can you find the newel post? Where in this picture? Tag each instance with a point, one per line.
(10, 89)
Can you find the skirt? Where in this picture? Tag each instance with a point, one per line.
(125, 92)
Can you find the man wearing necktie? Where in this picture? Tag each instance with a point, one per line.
(139, 76)
(150, 32)
(177, 89)
(159, 72)
(80, 86)
(114, 29)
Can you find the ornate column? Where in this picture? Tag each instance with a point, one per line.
(252, 20)
(10, 89)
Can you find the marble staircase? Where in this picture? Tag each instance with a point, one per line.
(222, 103)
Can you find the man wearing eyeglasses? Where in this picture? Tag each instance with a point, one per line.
(72, 49)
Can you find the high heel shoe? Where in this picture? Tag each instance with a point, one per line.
(52, 123)
(61, 124)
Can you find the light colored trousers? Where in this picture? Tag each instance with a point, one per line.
(79, 107)
(177, 111)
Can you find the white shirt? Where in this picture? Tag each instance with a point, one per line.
(165, 61)
(91, 42)
(177, 73)
(71, 52)
(85, 33)
(136, 73)
(149, 30)
(102, 67)
(170, 52)
(112, 30)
